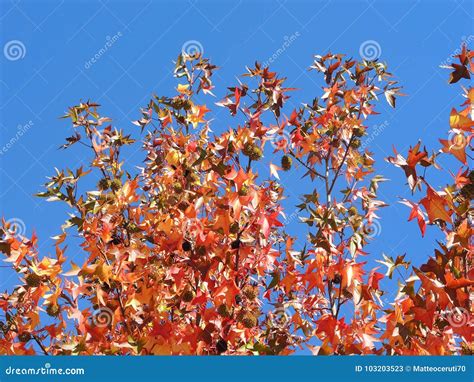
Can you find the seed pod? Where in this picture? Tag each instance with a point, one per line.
(249, 320)
(256, 153)
(467, 191)
(221, 346)
(201, 250)
(24, 337)
(359, 131)
(103, 184)
(186, 246)
(178, 187)
(250, 292)
(53, 310)
(355, 144)
(286, 162)
(116, 185)
(234, 228)
(33, 280)
(223, 310)
(247, 150)
(352, 211)
(187, 296)
(244, 190)
(235, 244)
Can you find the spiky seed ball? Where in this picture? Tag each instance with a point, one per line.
(103, 184)
(24, 337)
(33, 280)
(337, 279)
(256, 153)
(201, 250)
(355, 144)
(467, 191)
(116, 239)
(178, 187)
(172, 200)
(247, 150)
(155, 271)
(192, 178)
(286, 162)
(471, 176)
(223, 310)
(187, 296)
(352, 211)
(53, 310)
(132, 227)
(244, 190)
(249, 320)
(250, 292)
(358, 132)
(234, 228)
(116, 185)
(240, 316)
(186, 246)
(221, 346)
(182, 206)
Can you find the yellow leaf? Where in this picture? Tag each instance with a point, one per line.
(460, 121)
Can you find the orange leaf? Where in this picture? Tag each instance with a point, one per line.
(435, 206)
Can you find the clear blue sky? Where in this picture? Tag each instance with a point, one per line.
(51, 70)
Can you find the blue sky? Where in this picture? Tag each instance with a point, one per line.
(52, 69)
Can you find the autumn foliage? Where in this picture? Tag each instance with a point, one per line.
(188, 254)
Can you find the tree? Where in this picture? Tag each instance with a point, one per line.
(188, 255)
(433, 314)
